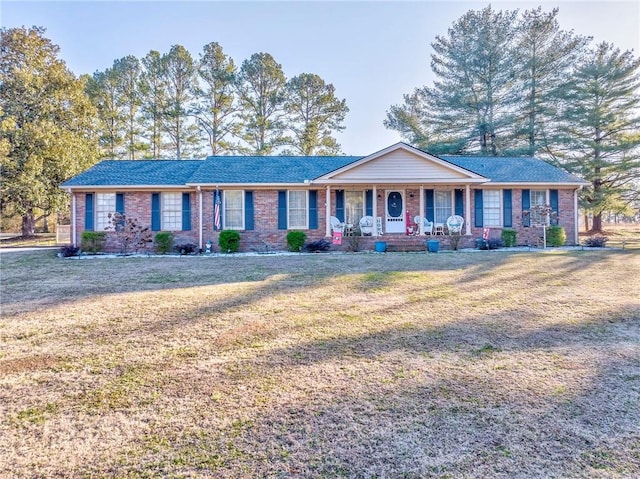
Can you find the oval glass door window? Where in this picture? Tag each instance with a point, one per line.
(394, 204)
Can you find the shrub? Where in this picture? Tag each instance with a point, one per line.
(229, 241)
(93, 241)
(508, 237)
(186, 248)
(556, 236)
(491, 243)
(454, 240)
(353, 241)
(598, 241)
(317, 246)
(295, 240)
(128, 232)
(163, 241)
(68, 251)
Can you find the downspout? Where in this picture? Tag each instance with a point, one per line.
(199, 216)
(576, 224)
(374, 210)
(467, 210)
(422, 212)
(327, 213)
(74, 233)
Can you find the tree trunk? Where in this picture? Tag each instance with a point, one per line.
(28, 224)
(586, 221)
(597, 223)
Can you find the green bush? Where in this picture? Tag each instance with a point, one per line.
(508, 237)
(93, 241)
(229, 241)
(163, 241)
(296, 240)
(556, 236)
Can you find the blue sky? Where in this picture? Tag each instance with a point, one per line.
(372, 52)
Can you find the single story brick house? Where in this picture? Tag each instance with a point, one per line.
(264, 197)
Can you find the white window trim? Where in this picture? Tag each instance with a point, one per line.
(364, 203)
(500, 209)
(163, 227)
(453, 203)
(547, 201)
(306, 227)
(224, 210)
(97, 212)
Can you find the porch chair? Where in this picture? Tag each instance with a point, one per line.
(336, 225)
(428, 225)
(454, 224)
(366, 225)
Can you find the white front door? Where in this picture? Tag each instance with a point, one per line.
(394, 212)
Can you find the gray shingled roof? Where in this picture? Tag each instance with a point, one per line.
(292, 169)
(136, 173)
(267, 169)
(513, 170)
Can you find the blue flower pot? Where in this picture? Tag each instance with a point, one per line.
(381, 246)
(433, 246)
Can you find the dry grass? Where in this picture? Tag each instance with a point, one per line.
(465, 365)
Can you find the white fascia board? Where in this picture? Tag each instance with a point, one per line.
(407, 181)
(540, 184)
(124, 187)
(251, 185)
(410, 149)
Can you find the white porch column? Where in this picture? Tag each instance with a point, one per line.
(74, 232)
(374, 210)
(200, 217)
(576, 223)
(467, 210)
(422, 212)
(327, 213)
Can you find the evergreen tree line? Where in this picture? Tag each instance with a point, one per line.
(510, 83)
(174, 106)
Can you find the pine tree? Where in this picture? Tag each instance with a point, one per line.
(601, 127)
(179, 80)
(217, 105)
(546, 54)
(128, 71)
(102, 89)
(314, 114)
(261, 86)
(153, 102)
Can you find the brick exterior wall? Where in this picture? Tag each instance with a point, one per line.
(266, 235)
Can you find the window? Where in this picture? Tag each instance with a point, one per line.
(354, 206)
(171, 211)
(297, 210)
(538, 198)
(105, 204)
(491, 208)
(443, 205)
(234, 209)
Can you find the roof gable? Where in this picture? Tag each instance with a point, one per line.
(401, 163)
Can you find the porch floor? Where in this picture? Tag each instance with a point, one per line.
(402, 243)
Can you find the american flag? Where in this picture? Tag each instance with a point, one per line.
(216, 211)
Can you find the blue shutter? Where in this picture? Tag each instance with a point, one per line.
(478, 209)
(429, 204)
(340, 204)
(186, 211)
(120, 203)
(155, 212)
(88, 212)
(553, 202)
(507, 209)
(313, 209)
(282, 210)
(368, 202)
(526, 206)
(248, 210)
(458, 203)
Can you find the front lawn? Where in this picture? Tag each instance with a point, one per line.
(450, 365)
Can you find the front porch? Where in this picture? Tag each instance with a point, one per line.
(403, 243)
